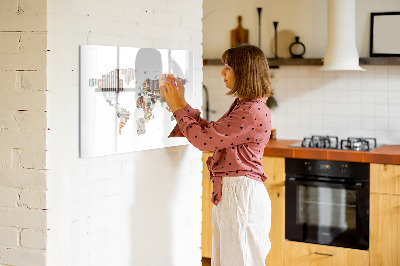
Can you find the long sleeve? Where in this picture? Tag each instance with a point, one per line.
(193, 113)
(231, 130)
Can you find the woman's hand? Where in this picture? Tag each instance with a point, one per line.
(172, 95)
(181, 92)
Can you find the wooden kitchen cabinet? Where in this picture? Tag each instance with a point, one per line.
(385, 215)
(305, 254)
(206, 225)
(274, 168)
(385, 178)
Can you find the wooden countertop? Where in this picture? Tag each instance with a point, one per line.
(389, 154)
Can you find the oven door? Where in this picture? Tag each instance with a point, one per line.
(327, 213)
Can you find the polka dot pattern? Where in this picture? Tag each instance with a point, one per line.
(238, 139)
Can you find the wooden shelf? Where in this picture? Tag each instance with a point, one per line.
(380, 61)
(273, 62)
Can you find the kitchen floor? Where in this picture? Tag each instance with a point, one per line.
(206, 261)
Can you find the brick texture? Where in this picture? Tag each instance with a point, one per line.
(23, 126)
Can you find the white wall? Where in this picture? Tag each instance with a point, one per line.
(306, 19)
(23, 133)
(311, 102)
(141, 208)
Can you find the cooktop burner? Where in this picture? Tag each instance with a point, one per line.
(332, 142)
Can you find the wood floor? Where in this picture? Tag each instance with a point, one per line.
(206, 261)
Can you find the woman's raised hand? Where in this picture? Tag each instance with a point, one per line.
(173, 95)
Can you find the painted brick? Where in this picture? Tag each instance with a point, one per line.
(5, 159)
(8, 6)
(36, 7)
(13, 119)
(7, 80)
(16, 256)
(9, 42)
(23, 218)
(31, 56)
(33, 159)
(33, 199)
(23, 100)
(30, 80)
(25, 22)
(8, 237)
(8, 197)
(23, 178)
(33, 239)
(15, 139)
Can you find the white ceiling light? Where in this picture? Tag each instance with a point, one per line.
(341, 51)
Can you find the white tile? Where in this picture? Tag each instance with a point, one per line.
(316, 72)
(317, 121)
(382, 136)
(304, 72)
(368, 122)
(394, 97)
(381, 97)
(380, 71)
(394, 83)
(381, 84)
(354, 80)
(342, 96)
(381, 110)
(355, 132)
(329, 109)
(292, 83)
(291, 71)
(355, 96)
(367, 83)
(394, 137)
(355, 122)
(367, 110)
(355, 109)
(394, 70)
(317, 107)
(381, 123)
(303, 82)
(317, 95)
(342, 109)
(367, 133)
(394, 123)
(394, 110)
(329, 121)
(329, 95)
(342, 81)
(342, 122)
(367, 96)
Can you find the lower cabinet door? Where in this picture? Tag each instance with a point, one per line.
(277, 233)
(384, 226)
(298, 254)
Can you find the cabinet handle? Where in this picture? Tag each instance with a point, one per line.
(324, 254)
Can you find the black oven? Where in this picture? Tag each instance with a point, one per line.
(327, 202)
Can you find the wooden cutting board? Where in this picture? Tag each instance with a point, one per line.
(239, 35)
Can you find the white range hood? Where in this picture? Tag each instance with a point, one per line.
(341, 51)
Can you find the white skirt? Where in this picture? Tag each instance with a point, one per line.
(241, 223)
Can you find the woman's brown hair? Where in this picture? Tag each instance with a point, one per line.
(250, 66)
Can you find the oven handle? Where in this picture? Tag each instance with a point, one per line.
(357, 185)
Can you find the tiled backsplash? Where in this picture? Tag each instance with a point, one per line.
(314, 102)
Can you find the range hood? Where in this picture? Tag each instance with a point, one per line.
(341, 51)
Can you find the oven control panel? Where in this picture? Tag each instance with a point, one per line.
(337, 169)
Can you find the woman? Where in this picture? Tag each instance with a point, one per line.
(242, 211)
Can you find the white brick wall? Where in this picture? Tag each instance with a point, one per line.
(140, 208)
(23, 132)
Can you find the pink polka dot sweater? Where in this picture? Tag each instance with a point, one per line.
(238, 139)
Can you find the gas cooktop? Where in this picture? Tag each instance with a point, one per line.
(332, 142)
